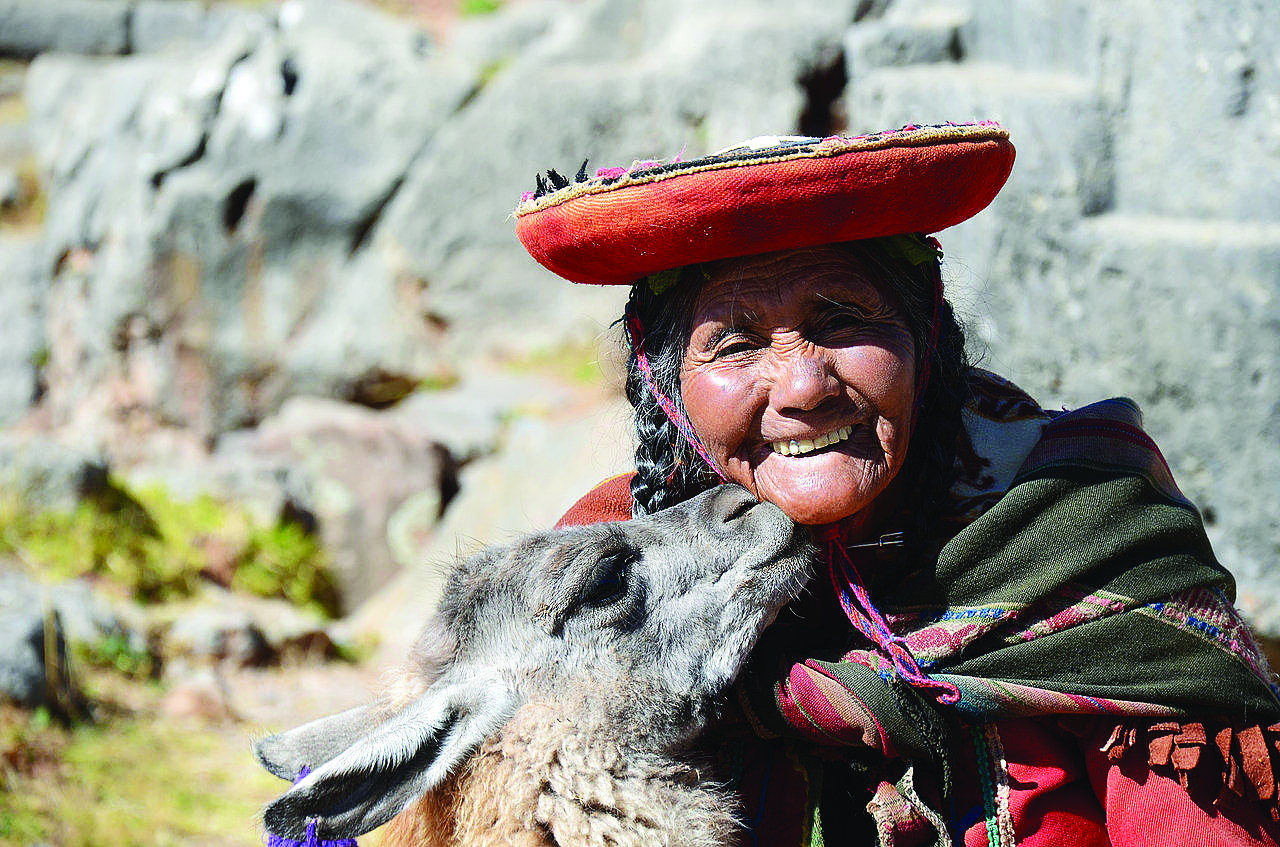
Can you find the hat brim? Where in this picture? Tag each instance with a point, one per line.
(610, 231)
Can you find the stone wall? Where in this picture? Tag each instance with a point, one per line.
(247, 204)
(1136, 248)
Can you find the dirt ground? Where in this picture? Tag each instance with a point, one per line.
(140, 775)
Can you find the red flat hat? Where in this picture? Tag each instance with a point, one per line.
(767, 194)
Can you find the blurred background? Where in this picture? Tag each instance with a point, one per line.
(270, 354)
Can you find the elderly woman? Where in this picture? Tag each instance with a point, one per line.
(1019, 633)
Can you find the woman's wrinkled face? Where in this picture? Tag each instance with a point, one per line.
(799, 377)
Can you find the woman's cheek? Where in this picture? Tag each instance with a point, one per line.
(718, 401)
(884, 375)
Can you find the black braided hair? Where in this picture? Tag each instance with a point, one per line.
(668, 471)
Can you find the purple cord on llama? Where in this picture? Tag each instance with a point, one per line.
(311, 840)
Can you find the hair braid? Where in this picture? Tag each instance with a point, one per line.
(668, 471)
(655, 460)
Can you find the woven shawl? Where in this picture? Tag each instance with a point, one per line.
(1072, 577)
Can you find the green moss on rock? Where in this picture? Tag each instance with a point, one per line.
(158, 547)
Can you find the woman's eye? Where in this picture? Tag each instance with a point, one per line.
(737, 348)
(844, 320)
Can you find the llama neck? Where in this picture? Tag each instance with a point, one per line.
(554, 780)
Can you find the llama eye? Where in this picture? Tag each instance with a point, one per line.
(610, 583)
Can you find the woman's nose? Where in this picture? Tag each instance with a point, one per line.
(802, 382)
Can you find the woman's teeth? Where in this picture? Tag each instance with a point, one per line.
(804, 445)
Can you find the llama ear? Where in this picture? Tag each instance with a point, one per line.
(392, 766)
(314, 743)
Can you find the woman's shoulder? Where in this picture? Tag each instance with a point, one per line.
(608, 501)
(1008, 437)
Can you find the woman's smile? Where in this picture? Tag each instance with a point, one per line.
(806, 446)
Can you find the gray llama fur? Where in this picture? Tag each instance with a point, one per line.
(585, 661)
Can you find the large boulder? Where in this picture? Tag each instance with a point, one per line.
(22, 344)
(315, 198)
(1136, 248)
(29, 28)
(23, 664)
(208, 208)
(34, 666)
(544, 464)
(220, 627)
(164, 25)
(339, 470)
(42, 474)
(612, 82)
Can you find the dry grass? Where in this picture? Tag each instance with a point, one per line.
(136, 778)
(28, 213)
(131, 778)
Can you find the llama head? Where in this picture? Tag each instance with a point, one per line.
(642, 622)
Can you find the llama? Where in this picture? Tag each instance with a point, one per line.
(554, 696)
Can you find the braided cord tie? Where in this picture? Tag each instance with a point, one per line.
(994, 782)
(866, 618)
(635, 335)
(987, 784)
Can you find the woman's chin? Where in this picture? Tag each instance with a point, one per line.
(816, 490)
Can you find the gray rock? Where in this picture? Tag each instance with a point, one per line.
(930, 37)
(47, 475)
(343, 467)
(1060, 126)
(1135, 249)
(84, 617)
(622, 81)
(272, 203)
(23, 344)
(30, 674)
(545, 463)
(491, 41)
(352, 468)
(156, 25)
(469, 418)
(88, 618)
(1195, 85)
(29, 28)
(1059, 37)
(22, 659)
(249, 171)
(220, 633)
(221, 627)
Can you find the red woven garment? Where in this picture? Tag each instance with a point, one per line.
(617, 227)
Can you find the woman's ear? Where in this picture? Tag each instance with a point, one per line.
(367, 778)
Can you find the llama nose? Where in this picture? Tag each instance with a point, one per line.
(728, 507)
